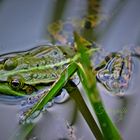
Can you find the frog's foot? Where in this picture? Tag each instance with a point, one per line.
(115, 75)
(27, 105)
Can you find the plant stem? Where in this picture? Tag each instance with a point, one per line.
(76, 96)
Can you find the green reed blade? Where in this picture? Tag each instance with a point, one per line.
(88, 80)
(75, 94)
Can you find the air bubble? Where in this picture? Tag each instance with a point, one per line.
(63, 97)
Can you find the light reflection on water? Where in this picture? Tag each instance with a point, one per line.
(22, 28)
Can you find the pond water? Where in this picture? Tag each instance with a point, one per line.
(24, 24)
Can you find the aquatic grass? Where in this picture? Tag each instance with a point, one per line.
(75, 94)
(88, 80)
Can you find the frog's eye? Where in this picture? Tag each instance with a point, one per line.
(10, 64)
(16, 82)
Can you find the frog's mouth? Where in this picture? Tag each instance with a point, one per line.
(10, 96)
(21, 90)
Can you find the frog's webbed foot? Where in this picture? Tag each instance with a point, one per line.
(114, 74)
(115, 70)
(27, 105)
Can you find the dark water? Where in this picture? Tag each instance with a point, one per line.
(23, 26)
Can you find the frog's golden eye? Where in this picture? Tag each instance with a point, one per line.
(10, 64)
(16, 82)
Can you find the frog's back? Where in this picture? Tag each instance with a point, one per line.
(37, 65)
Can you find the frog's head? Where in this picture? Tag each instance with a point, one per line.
(26, 72)
(12, 82)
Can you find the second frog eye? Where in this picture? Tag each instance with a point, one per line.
(10, 64)
(16, 82)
